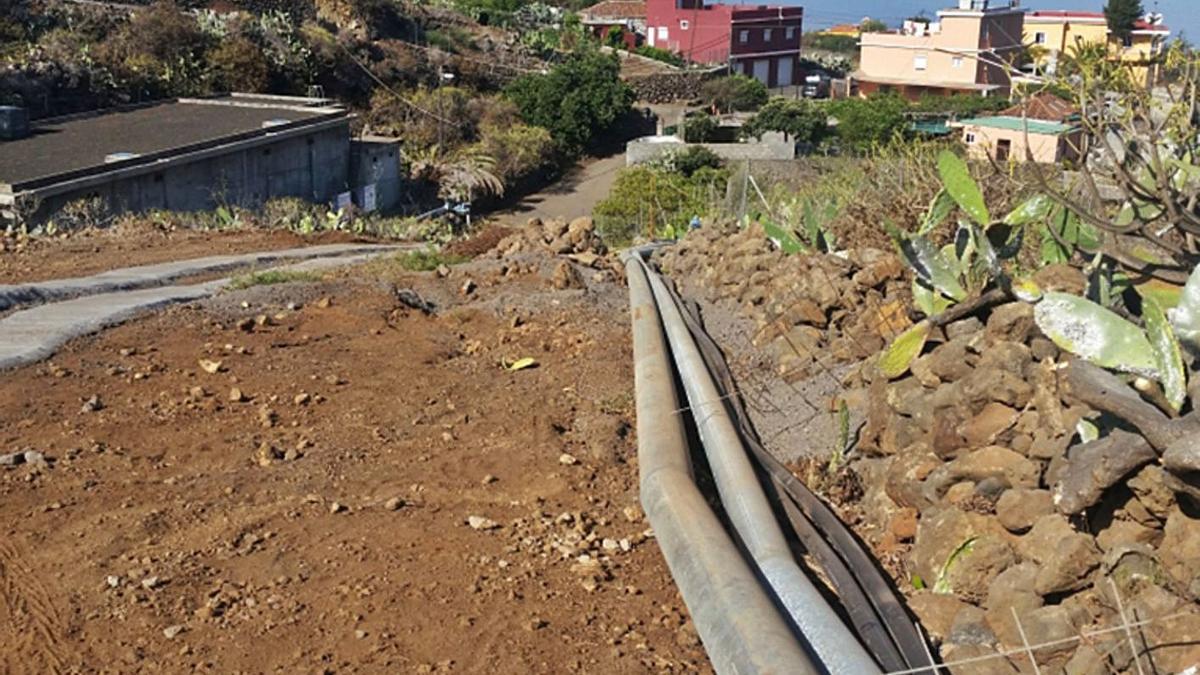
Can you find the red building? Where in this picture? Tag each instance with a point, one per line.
(628, 16)
(760, 41)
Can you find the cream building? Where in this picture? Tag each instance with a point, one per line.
(970, 48)
(1044, 129)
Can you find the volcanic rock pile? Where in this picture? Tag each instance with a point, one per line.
(812, 309)
(1000, 522)
(1007, 521)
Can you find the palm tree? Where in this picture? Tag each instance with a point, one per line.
(461, 176)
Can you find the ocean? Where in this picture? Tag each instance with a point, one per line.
(1182, 16)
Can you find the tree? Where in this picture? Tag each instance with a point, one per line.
(615, 37)
(239, 65)
(577, 100)
(862, 123)
(735, 92)
(1122, 15)
(802, 120)
(461, 176)
(872, 26)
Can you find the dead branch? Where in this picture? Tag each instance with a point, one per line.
(1095, 466)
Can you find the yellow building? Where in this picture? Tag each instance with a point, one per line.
(844, 29)
(1052, 33)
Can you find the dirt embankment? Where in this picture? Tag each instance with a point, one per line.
(346, 485)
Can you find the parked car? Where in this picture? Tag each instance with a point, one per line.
(816, 85)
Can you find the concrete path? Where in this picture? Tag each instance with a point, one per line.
(146, 276)
(34, 334)
(575, 195)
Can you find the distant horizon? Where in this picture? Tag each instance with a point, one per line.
(1181, 16)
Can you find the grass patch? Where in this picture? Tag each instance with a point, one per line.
(428, 260)
(269, 277)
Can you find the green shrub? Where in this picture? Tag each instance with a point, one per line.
(520, 150)
(699, 128)
(238, 65)
(427, 260)
(690, 160)
(864, 123)
(840, 44)
(656, 199)
(962, 105)
(734, 92)
(663, 55)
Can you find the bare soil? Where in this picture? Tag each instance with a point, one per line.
(97, 250)
(317, 519)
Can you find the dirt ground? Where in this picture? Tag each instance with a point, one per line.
(97, 250)
(357, 487)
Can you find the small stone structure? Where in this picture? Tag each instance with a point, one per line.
(772, 146)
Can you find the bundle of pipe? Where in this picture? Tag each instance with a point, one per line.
(739, 623)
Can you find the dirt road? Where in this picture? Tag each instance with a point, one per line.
(355, 487)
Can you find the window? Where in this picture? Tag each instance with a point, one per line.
(662, 33)
(790, 33)
(766, 35)
(683, 24)
(920, 62)
(970, 137)
(744, 36)
(1127, 41)
(1039, 38)
(956, 62)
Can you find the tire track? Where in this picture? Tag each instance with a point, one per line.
(28, 608)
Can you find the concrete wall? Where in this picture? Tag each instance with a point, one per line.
(313, 166)
(773, 146)
(375, 167)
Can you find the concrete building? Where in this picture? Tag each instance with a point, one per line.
(192, 154)
(1053, 34)
(761, 41)
(1044, 129)
(628, 16)
(971, 48)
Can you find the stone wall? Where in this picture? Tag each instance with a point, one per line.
(773, 146)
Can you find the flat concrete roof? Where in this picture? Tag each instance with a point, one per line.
(81, 142)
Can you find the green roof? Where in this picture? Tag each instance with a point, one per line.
(933, 128)
(1019, 124)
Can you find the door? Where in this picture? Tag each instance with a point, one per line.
(1003, 149)
(784, 71)
(762, 71)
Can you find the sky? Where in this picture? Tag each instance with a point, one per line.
(1180, 15)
